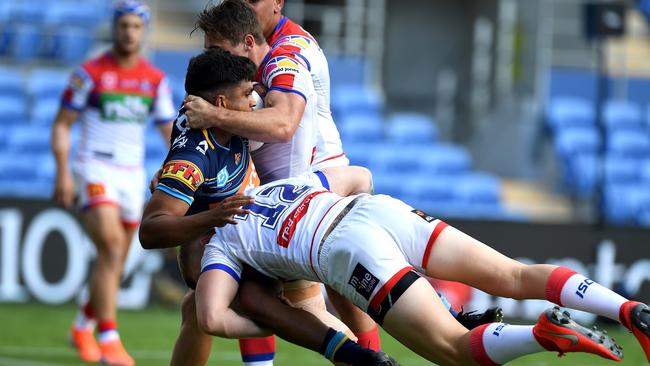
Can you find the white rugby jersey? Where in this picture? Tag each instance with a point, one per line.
(114, 103)
(294, 38)
(282, 234)
(283, 71)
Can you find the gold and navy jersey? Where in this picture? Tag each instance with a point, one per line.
(201, 172)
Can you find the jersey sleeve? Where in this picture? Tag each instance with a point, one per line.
(216, 257)
(183, 173)
(76, 93)
(287, 74)
(163, 105)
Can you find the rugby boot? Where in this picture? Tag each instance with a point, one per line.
(556, 331)
(373, 358)
(635, 316)
(472, 319)
(114, 354)
(84, 341)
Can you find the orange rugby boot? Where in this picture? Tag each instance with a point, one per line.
(84, 341)
(556, 331)
(114, 354)
(635, 316)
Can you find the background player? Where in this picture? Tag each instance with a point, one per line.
(370, 248)
(112, 95)
(203, 167)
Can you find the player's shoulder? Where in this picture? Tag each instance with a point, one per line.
(284, 60)
(149, 70)
(94, 67)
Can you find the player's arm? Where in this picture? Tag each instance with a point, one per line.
(163, 111)
(347, 180)
(165, 225)
(215, 293)
(277, 122)
(64, 186)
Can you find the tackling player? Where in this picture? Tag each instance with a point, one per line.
(112, 95)
(372, 250)
(203, 167)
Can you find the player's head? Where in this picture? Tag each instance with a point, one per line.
(130, 18)
(231, 25)
(222, 79)
(268, 12)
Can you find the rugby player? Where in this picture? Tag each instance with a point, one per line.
(112, 95)
(372, 250)
(203, 167)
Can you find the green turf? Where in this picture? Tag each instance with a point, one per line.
(35, 335)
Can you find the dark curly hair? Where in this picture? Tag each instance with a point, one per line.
(231, 20)
(215, 70)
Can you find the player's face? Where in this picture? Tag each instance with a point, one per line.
(212, 41)
(240, 97)
(128, 33)
(266, 11)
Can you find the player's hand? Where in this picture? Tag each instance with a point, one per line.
(260, 89)
(224, 212)
(64, 190)
(199, 113)
(154, 181)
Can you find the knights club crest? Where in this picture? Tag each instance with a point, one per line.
(237, 158)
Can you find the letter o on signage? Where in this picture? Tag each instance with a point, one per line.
(46, 222)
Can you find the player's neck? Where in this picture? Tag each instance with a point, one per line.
(260, 53)
(268, 33)
(222, 137)
(125, 59)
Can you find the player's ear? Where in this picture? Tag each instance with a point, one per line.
(279, 4)
(221, 101)
(249, 41)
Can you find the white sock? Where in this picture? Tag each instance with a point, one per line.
(83, 322)
(259, 363)
(108, 336)
(581, 293)
(505, 342)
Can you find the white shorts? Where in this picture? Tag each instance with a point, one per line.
(99, 183)
(372, 255)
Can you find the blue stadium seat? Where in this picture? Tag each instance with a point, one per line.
(570, 112)
(71, 44)
(43, 111)
(356, 99)
(361, 128)
(621, 170)
(645, 171)
(388, 183)
(346, 69)
(32, 12)
(441, 159)
(26, 42)
(360, 153)
(420, 187)
(391, 158)
(11, 81)
(580, 174)
(577, 140)
(13, 109)
(624, 204)
(155, 147)
(630, 143)
(411, 128)
(620, 114)
(76, 13)
(47, 83)
(28, 139)
(569, 81)
(477, 188)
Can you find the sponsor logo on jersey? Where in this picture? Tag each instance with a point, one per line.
(237, 158)
(95, 190)
(289, 224)
(183, 171)
(76, 81)
(109, 80)
(222, 177)
(125, 108)
(298, 41)
(280, 65)
(425, 216)
(363, 281)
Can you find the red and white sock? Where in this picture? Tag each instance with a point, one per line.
(497, 343)
(85, 318)
(570, 289)
(369, 339)
(257, 351)
(107, 331)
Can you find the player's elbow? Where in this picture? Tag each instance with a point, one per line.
(212, 323)
(144, 234)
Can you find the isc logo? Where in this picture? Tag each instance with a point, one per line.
(497, 330)
(582, 287)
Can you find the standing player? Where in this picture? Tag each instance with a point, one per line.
(372, 250)
(112, 95)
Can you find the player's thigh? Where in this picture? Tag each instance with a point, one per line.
(457, 256)
(104, 226)
(189, 262)
(420, 321)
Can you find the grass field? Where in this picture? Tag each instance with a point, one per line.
(35, 335)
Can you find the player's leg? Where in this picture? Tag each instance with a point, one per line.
(260, 299)
(111, 240)
(193, 346)
(458, 257)
(364, 328)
